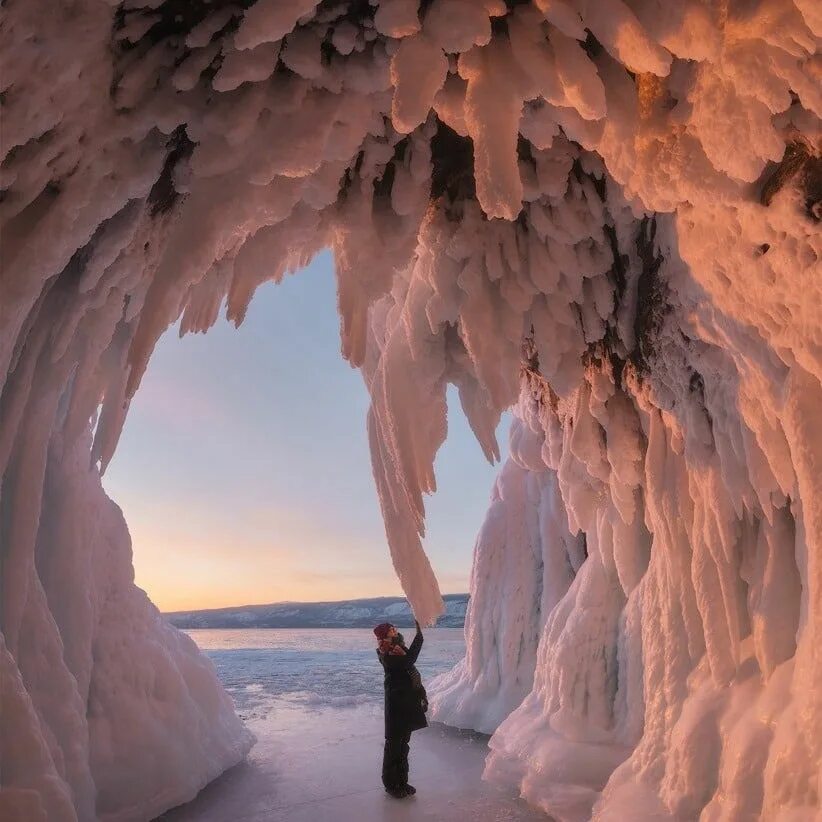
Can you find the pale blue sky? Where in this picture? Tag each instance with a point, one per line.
(243, 468)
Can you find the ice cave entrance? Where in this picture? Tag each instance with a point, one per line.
(243, 469)
(605, 212)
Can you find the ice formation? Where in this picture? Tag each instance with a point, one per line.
(603, 212)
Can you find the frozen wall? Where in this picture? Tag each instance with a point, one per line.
(604, 212)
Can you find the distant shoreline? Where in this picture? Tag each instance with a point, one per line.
(349, 613)
(312, 628)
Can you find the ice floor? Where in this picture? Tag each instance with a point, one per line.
(319, 766)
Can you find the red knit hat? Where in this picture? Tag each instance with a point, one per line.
(381, 631)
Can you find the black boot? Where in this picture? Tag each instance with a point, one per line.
(400, 792)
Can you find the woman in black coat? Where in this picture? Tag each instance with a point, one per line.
(405, 705)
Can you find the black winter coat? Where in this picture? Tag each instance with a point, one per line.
(405, 699)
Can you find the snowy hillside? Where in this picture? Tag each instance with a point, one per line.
(604, 214)
(354, 613)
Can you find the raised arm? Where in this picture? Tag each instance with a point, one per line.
(415, 647)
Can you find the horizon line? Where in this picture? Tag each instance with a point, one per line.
(299, 602)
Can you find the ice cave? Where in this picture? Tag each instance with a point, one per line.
(604, 214)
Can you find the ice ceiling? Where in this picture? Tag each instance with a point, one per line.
(603, 213)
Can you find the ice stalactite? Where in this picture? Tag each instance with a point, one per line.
(603, 211)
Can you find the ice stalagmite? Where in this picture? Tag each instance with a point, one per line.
(604, 213)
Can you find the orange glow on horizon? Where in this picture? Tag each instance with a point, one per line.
(203, 597)
(178, 572)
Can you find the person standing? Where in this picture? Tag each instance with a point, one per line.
(405, 704)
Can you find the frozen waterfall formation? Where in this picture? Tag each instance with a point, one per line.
(603, 212)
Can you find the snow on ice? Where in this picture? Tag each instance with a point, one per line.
(602, 212)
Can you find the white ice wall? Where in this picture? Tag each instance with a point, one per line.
(107, 711)
(667, 679)
(608, 209)
(524, 560)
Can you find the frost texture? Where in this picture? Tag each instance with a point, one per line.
(604, 212)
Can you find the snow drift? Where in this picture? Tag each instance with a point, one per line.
(604, 212)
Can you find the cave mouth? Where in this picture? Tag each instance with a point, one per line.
(603, 215)
(239, 485)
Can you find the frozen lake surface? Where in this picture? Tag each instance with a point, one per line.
(313, 667)
(314, 700)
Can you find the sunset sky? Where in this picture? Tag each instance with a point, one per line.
(243, 470)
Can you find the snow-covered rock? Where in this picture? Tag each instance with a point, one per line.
(604, 212)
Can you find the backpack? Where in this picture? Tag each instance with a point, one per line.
(419, 688)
